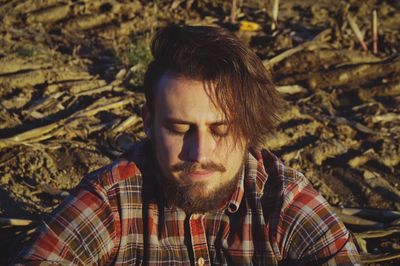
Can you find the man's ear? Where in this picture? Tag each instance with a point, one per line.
(147, 121)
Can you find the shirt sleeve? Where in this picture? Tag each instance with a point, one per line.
(309, 232)
(81, 231)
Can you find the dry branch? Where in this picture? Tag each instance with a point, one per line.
(374, 214)
(233, 11)
(275, 12)
(87, 22)
(99, 105)
(293, 113)
(357, 221)
(357, 32)
(293, 89)
(389, 89)
(33, 134)
(128, 27)
(35, 77)
(378, 233)
(292, 135)
(96, 90)
(74, 87)
(344, 121)
(124, 125)
(360, 160)
(12, 64)
(43, 103)
(31, 6)
(330, 149)
(315, 60)
(49, 14)
(384, 118)
(58, 128)
(380, 258)
(15, 222)
(375, 31)
(310, 45)
(351, 75)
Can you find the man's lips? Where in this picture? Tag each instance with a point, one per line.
(200, 174)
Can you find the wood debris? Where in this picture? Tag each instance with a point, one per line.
(70, 99)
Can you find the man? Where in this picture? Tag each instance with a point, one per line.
(199, 190)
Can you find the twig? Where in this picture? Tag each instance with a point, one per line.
(30, 134)
(380, 258)
(375, 31)
(362, 159)
(355, 74)
(385, 90)
(13, 64)
(291, 89)
(233, 11)
(357, 221)
(42, 103)
(94, 91)
(321, 37)
(48, 131)
(285, 54)
(93, 109)
(38, 76)
(49, 14)
(373, 213)
(384, 118)
(15, 222)
(275, 11)
(357, 32)
(378, 233)
(124, 125)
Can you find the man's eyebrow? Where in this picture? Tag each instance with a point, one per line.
(171, 120)
(175, 121)
(220, 123)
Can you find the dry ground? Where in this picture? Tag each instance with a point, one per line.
(70, 94)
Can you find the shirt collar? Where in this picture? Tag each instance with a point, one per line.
(237, 195)
(252, 177)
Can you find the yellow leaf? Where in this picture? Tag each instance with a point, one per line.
(249, 26)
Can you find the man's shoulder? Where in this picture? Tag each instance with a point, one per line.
(286, 186)
(284, 177)
(127, 168)
(118, 171)
(301, 221)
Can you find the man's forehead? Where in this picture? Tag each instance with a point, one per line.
(171, 81)
(178, 96)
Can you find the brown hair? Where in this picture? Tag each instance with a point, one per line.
(242, 87)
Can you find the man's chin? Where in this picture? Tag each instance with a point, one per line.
(201, 190)
(199, 196)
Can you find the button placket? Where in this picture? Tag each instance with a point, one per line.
(199, 240)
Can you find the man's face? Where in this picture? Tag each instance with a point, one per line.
(193, 145)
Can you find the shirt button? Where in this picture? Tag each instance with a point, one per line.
(195, 216)
(200, 261)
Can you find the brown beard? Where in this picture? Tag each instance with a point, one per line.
(191, 197)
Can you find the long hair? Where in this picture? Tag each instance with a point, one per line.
(234, 77)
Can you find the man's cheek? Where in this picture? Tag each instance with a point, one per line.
(224, 152)
(170, 149)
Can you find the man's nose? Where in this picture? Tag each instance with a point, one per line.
(201, 147)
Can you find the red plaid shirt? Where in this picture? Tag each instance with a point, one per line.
(118, 216)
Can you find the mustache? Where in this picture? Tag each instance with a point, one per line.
(189, 167)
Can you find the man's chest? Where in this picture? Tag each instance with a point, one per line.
(150, 236)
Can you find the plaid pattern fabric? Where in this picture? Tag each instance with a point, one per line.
(118, 216)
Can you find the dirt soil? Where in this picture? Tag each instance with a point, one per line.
(71, 75)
